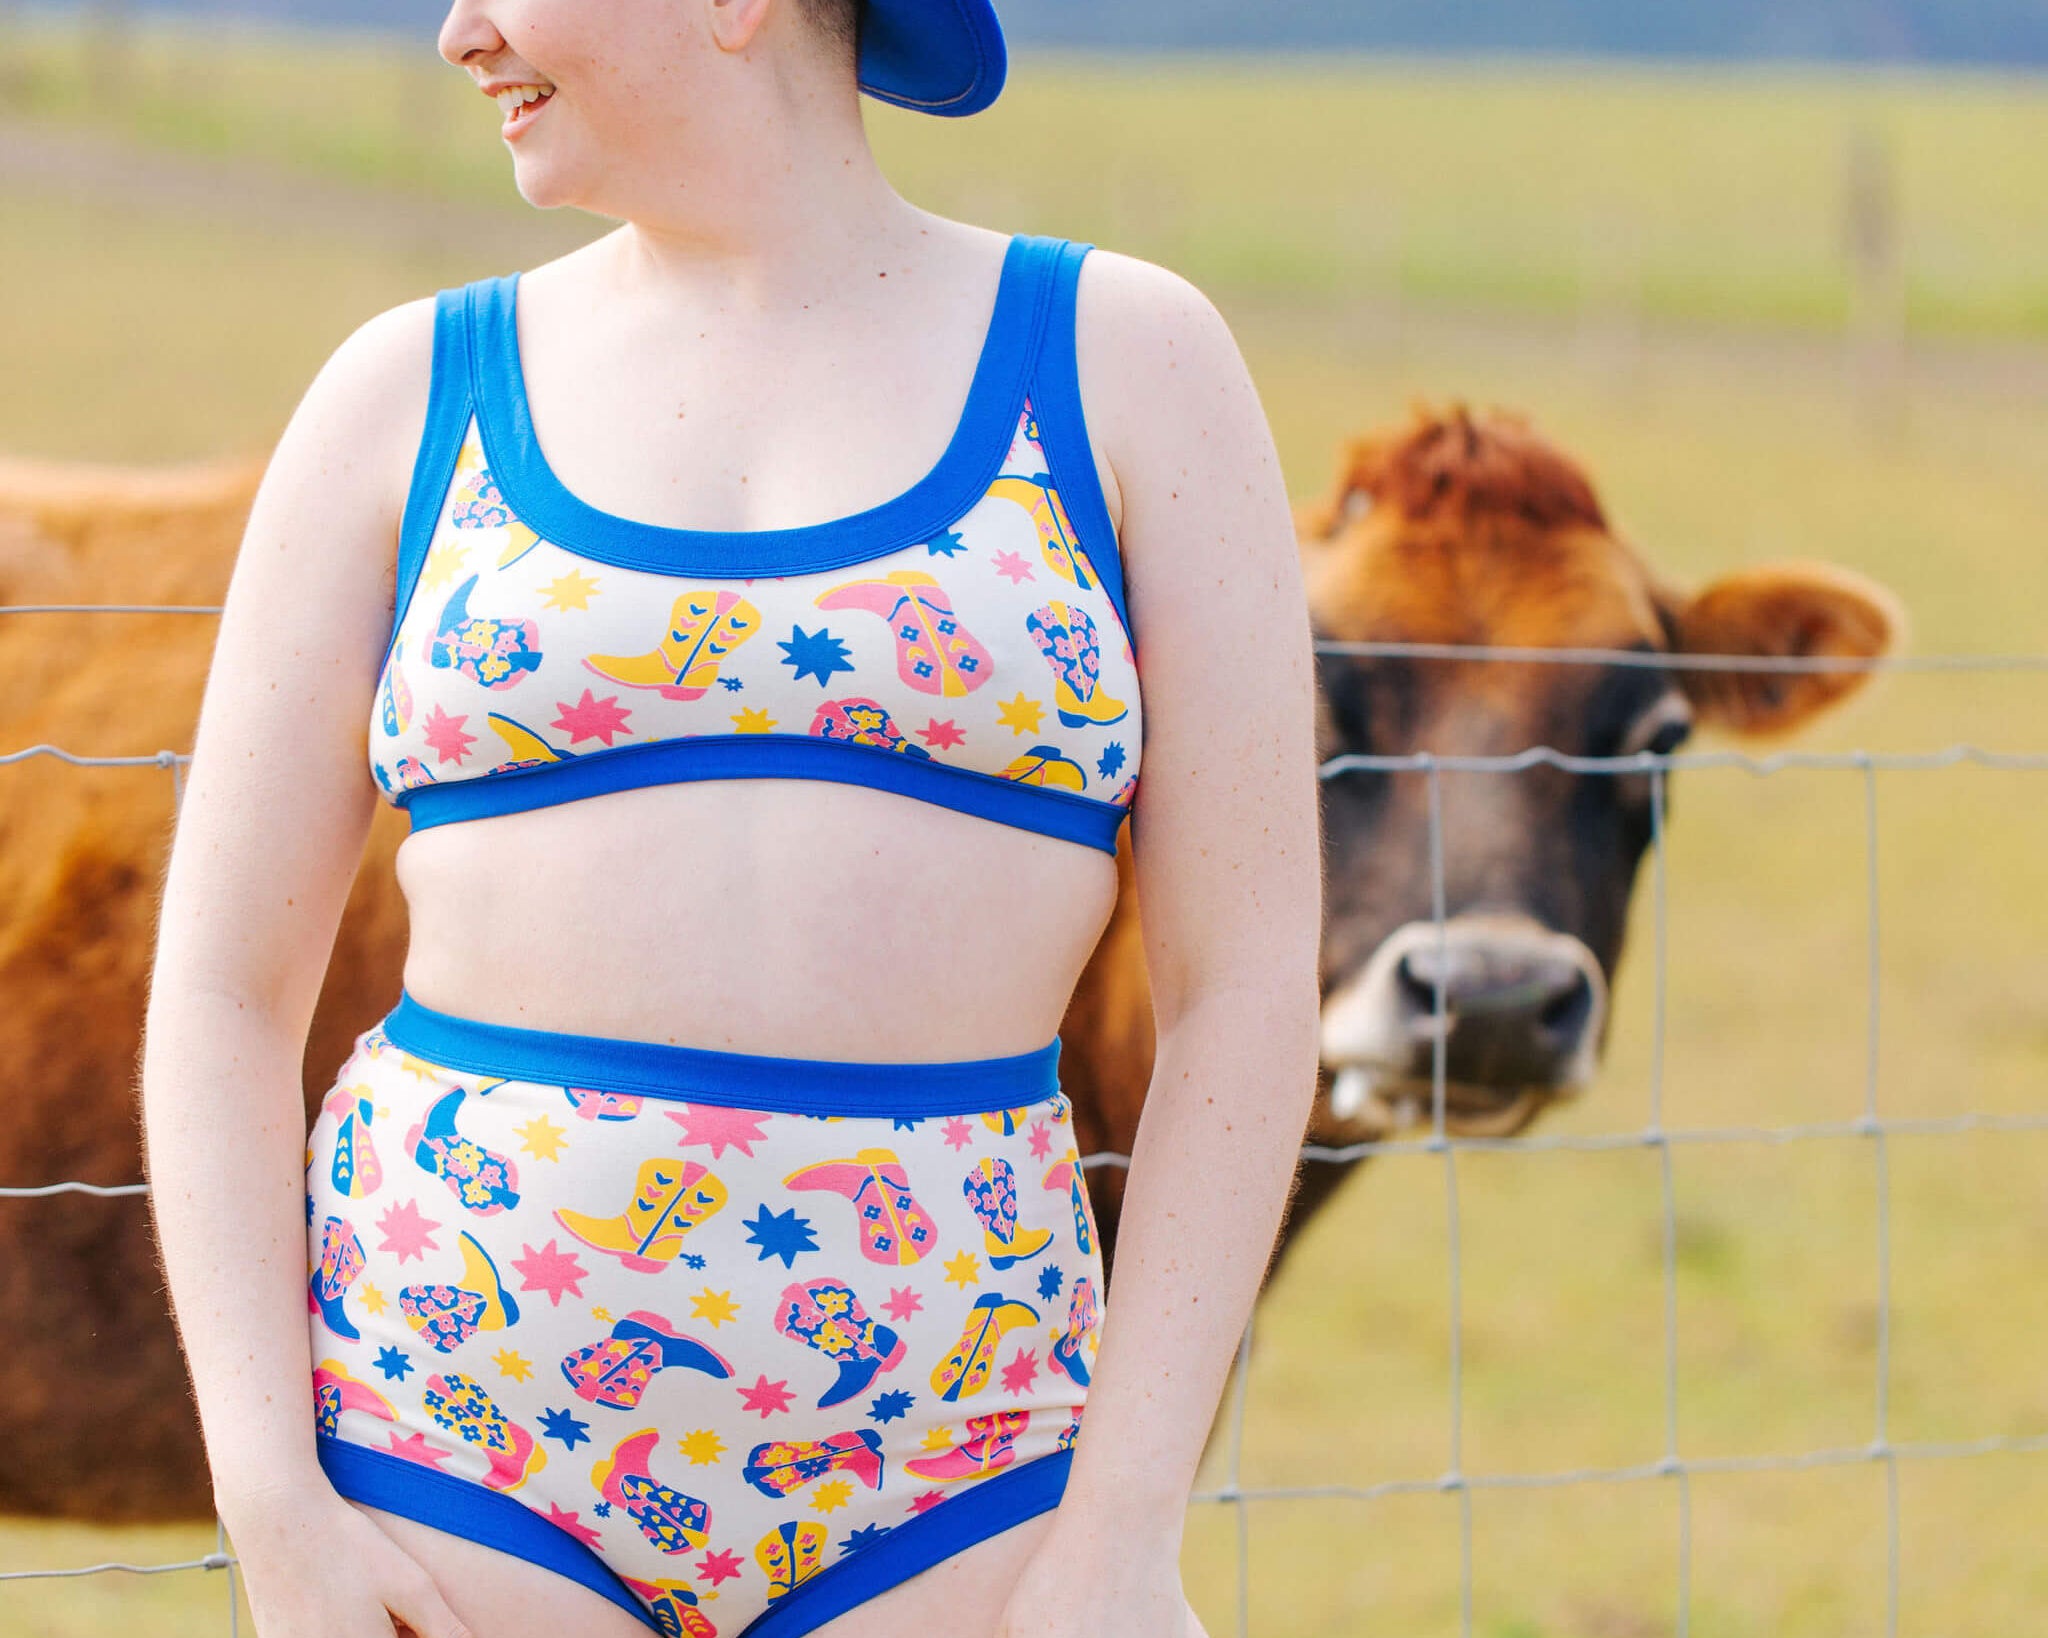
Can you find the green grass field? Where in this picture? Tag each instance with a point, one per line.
(1703, 193)
(137, 336)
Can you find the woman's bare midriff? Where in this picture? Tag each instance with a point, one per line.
(793, 917)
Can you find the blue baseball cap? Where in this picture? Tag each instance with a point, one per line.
(936, 56)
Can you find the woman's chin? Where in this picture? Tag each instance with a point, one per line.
(545, 186)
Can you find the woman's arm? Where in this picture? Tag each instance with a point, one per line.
(1228, 851)
(270, 832)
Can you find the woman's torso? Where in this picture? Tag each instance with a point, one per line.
(794, 916)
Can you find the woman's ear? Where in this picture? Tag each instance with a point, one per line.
(735, 24)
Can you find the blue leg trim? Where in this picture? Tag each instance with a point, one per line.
(463, 1508)
(925, 1539)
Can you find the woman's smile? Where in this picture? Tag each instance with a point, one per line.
(520, 103)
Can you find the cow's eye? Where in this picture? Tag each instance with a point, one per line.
(1668, 738)
(1661, 729)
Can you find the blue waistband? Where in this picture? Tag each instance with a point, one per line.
(798, 1086)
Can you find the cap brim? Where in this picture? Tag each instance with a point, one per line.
(936, 56)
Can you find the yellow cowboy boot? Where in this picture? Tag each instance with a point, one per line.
(705, 627)
(1057, 543)
(670, 1197)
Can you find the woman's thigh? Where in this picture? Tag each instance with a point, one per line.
(500, 1596)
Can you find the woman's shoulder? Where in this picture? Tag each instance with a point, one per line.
(1140, 327)
(383, 368)
(1152, 350)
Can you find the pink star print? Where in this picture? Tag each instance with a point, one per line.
(1041, 1140)
(592, 718)
(958, 1133)
(902, 1303)
(926, 1502)
(707, 1124)
(416, 1449)
(555, 1272)
(717, 1567)
(406, 1233)
(767, 1397)
(1021, 1374)
(444, 734)
(945, 734)
(570, 1522)
(1012, 566)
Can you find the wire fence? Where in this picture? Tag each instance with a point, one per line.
(1673, 1464)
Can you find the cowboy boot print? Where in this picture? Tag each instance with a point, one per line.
(616, 1371)
(1066, 637)
(935, 652)
(991, 1190)
(827, 1316)
(670, 1198)
(894, 1228)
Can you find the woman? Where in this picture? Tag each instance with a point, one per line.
(755, 859)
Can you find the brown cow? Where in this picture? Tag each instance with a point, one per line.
(1450, 531)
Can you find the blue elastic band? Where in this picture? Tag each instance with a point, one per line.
(795, 1086)
(375, 1478)
(1063, 433)
(980, 444)
(986, 1509)
(464, 1508)
(1065, 815)
(448, 417)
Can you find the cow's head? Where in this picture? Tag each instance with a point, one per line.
(1463, 531)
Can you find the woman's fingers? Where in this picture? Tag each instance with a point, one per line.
(420, 1608)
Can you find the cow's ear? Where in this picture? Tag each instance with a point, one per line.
(1360, 477)
(1801, 608)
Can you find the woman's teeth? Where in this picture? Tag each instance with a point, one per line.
(515, 97)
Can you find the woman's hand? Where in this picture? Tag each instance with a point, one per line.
(317, 1567)
(1097, 1583)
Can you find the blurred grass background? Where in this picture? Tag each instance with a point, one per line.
(1651, 264)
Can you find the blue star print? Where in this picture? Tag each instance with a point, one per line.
(693, 1260)
(1049, 1281)
(732, 685)
(1112, 758)
(393, 1364)
(904, 1123)
(945, 543)
(817, 651)
(559, 1424)
(866, 1536)
(603, 1510)
(780, 1234)
(889, 1406)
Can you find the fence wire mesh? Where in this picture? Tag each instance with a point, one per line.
(1672, 1464)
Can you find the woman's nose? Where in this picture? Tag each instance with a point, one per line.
(467, 32)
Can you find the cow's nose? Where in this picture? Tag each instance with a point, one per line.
(1517, 1010)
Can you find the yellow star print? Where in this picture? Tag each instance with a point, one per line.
(1021, 714)
(373, 1299)
(443, 564)
(702, 1446)
(715, 1306)
(938, 1439)
(831, 1495)
(752, 720)
(963, 1270)
(542, 1138)
(516, 1367)
(569, 591)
